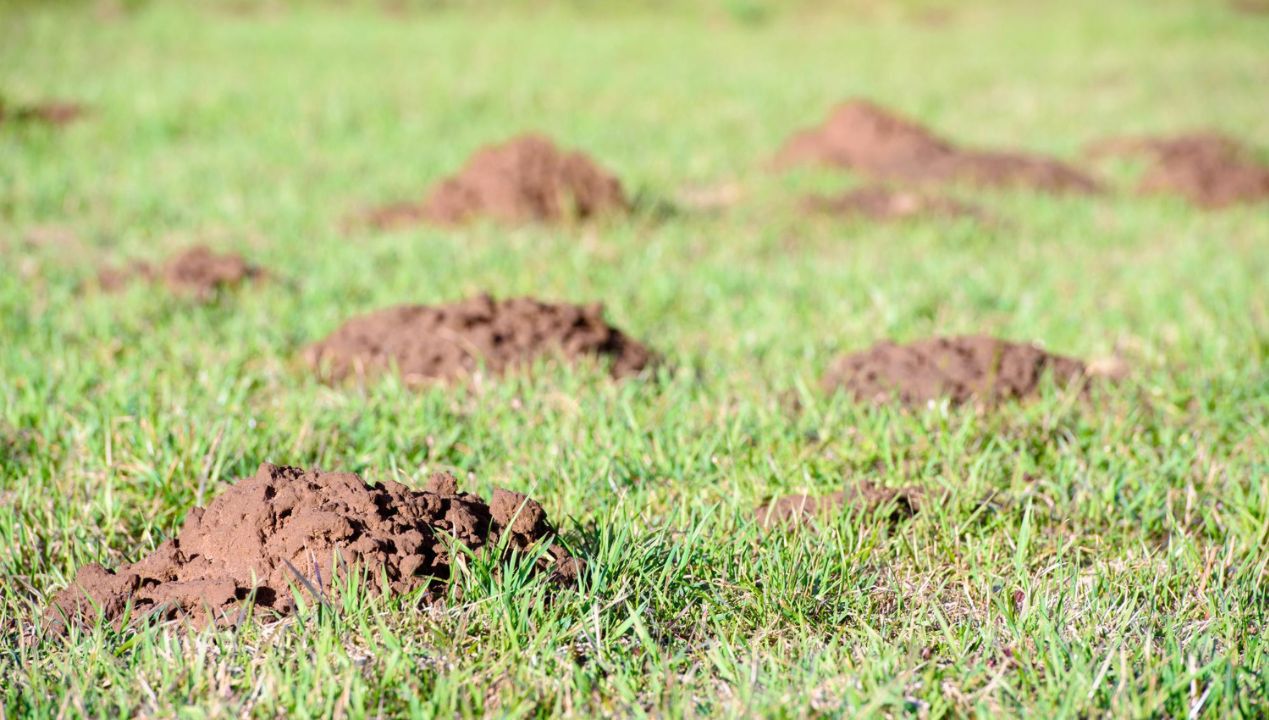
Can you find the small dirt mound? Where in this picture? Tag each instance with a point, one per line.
(289, 528)
(885, 204)
(985, 369)
(447, 342)
(1209, 169)
(198, 272)
(867, 138)
(526, 179)
(55, 114)
(799, 509)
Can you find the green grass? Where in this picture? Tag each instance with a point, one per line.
(1118, 568)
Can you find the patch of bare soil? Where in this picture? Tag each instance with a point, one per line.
(523, 180)
(448, 342)
(285, 528)
(798, 509)
(1209, 169)
(885, 204)
(984, 369)
(55, 114)
(198, 272)
(869, 139)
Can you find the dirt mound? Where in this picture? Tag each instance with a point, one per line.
(289, 528)
(526, 179)
(798, 509)
(448, 342)
(960, 368)
(881, 203)
(865, 137)
(49, 113)
(198, 272)
(1209, 169)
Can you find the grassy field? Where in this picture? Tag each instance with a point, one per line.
(1118, 566)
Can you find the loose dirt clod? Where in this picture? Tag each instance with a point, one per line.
(287, 531)
(1209, 169)
(526, 179)
(198, 272)
(865, 137)
(448, 342)
(881, 203)
(798, 509)
(985, 369)
(55, 114)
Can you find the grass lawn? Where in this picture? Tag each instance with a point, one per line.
(1090, 559)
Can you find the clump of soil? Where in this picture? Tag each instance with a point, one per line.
(448, 342)
(798, 509)
(56, 114)
(1209, 169)
(985, 369)
(526, 179)
(198, 272)
(288, 530)
(867, 138)
(883, 204)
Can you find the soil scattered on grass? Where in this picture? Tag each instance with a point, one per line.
(984, 369)
(867, 138)
(885, 204)
(198, 272)
(55, 114)
(526, 179)
(289, 528)
(798, 509)
(1209, 169)
(447, 342)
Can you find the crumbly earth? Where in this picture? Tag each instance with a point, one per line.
(867, 138)
(286, 530)
(525, 179)
(47, 113)
(1210, 169)
(449, 342)
(883, 204)
(800, 508)
(198, 272)
(984, 369)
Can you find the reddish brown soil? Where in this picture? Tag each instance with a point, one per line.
(867, 138)
(984, 369)
(1209, 169)
(289, 528)
(198, 272)
(798, 509)
(883, 204)
(50, 113)
(448, 342)
(526, 179)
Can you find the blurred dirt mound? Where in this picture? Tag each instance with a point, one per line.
(198, 272)
(289, 528)
(526, 179)
(448, 342)
(985, 369)
(1209, 169)
(881, 203)
(867, 138)
(798, 509)
(50, 113)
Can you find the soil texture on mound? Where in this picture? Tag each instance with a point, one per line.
(525, 179)
(869, 139)
(1209, 169)
(984, 369)
(198, 272)
(887, 204)
(285, 531)
(55, 114)
(799, 508)
(448, 342)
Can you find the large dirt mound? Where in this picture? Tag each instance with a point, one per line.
(985, 369)
(288, 528)
(448, 342)
(1209, 169)
(865, 137)
(800, 508)
(883, 204)
(526, 179)
(198, 272)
